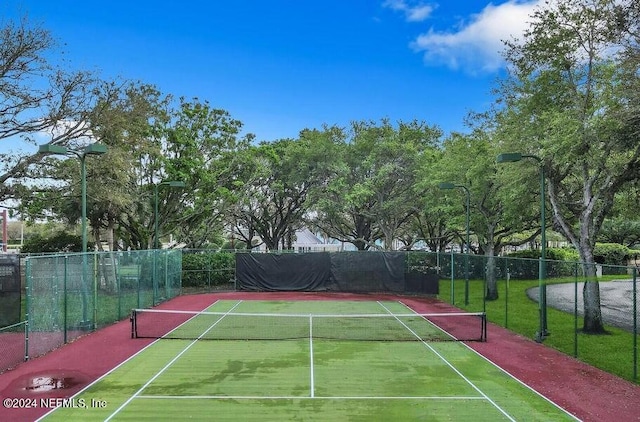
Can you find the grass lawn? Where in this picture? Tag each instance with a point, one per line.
(614, 352)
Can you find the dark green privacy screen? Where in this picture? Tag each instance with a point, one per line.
(331, 271)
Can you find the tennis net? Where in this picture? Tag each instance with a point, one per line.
(174, 324)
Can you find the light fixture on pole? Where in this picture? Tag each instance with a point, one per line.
(542, 288)
(91, 149)
(446, 186)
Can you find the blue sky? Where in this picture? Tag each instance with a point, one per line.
(283, 66)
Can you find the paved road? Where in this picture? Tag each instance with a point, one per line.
(616, 300)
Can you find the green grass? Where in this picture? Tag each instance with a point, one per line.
(310, 380)
(612, 352)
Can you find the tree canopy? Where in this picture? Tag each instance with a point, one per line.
(564, 104)
(570, 99)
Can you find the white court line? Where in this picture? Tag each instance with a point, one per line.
(311, 355)
(450, 365)
(137, 393)
(310, 398)
(508, 374)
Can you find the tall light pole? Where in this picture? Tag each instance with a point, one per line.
(542, 270)
(171, 184)
(91, 149)
(449, 185)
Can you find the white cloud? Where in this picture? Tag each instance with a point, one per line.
(414, 12)
(476, 45)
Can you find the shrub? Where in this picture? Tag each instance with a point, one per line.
(59, 242)
(611, 254)
(559, 263)
(207, 268)
(554, 254)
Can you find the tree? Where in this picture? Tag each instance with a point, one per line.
(401, 152)
(623, 224)
(203, 150)
(430, 225)
(278, 181)
(37, 99)
(371, 196)
(342, 209)
(620, 230)
(123, 118)
(566, 97)
(495, 201)
(149, 142)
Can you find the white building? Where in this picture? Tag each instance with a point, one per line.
(306, 241)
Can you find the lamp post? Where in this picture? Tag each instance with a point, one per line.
(542, 270)
(171, 184)
(91, 149)
(446, 186)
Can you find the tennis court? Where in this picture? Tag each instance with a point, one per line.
(308, 360)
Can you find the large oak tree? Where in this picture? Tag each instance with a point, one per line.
(568, 91)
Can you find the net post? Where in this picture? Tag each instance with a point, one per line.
(133, 320)
(483, 337)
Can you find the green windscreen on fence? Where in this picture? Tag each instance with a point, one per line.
(10, 289)
(351, 271)
(72, 294)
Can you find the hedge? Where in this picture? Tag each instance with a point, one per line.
(204, 268)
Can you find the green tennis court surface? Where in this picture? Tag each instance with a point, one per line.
(304, 362)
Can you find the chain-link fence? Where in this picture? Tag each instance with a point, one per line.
(545, 301)
(205, 270)
(542, 300)
(10, 291)
(69, 295)
(13, 343)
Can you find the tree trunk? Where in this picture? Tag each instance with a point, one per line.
(97, 242)
(490, 272)
(593, 323)
(107, 271)
(361, 245)
(110, 236)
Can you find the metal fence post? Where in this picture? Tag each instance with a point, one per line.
(64, 297)
(635, 325)
(95, 289)
(119, 284)
(506, 293)
(27, 288)
(575, 310)
(453, 293)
